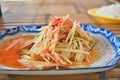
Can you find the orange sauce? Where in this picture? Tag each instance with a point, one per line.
(94, 56)
(10, 57)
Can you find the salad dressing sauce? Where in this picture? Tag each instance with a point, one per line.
(11, 56)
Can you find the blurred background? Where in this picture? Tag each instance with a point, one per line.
(35, 12)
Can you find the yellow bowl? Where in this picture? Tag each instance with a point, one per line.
(103, 18)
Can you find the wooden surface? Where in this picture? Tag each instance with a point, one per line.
(39, 12)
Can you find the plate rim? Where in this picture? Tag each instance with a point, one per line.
(84, 26)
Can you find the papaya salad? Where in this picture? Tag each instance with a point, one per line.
(60, 44)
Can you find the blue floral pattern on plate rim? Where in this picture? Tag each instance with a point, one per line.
(112, 38)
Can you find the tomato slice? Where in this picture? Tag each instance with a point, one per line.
(56, 21)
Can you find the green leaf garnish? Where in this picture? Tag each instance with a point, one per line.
(76, 34)
(77, 43)
(62, 29)
(93, 44)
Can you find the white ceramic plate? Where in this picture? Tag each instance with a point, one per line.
(108, 44)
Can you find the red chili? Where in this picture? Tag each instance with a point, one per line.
(56, 21)
(46, 51)
(32, 67)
